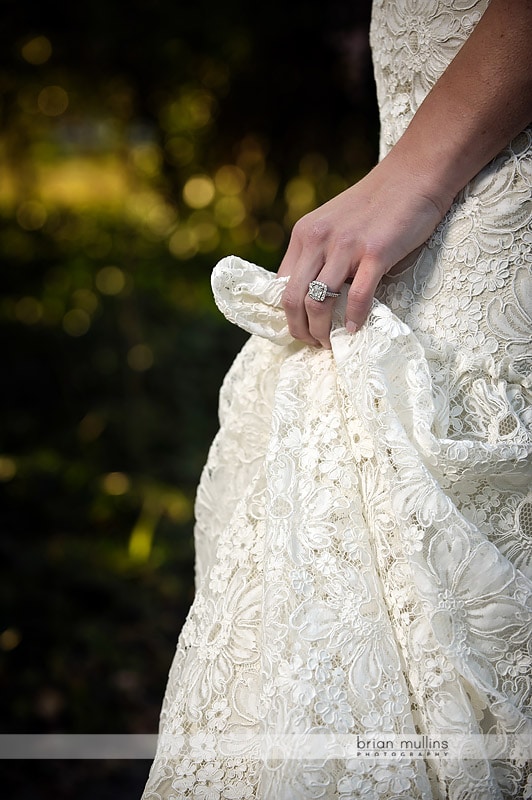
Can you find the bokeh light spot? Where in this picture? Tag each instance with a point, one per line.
(198, 191)
(147, 158)
(300, 194)
(76, 322)
(140, 542)
(199, 107)
(205, 230)
(8, 468)
(178, 507)
(191, 111)
(84, 298)
(183, 243)
(230, 179)
(53, 101)
(140, 357)
(31, 215)
(37, 51)
(29, 310)
(116, 483)
(160, 219)
(49, 703)
(9, 639)
(230, 212)
(91, 427)
(110, 280)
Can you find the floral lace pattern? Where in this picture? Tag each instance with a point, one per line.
(364, 519)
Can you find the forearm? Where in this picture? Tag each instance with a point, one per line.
(480, 103)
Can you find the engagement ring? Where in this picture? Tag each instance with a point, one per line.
(318, 290)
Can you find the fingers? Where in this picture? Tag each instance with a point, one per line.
(294, 301)
(302, 265)
(291, 258)
(319, 314)
(361, 293)
(305, 260)
(315, 254)
(310, 320)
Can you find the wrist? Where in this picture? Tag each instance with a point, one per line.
(423, 175)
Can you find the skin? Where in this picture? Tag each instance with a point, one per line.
(479, 104)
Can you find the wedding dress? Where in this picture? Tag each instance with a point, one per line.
(362, 625)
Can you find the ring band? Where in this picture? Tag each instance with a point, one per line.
(318, 290)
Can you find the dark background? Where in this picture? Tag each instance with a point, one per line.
(139, 143)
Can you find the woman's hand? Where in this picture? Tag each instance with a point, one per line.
(482, 100)
(361, 234)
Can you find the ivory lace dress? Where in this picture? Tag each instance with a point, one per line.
(364, 520)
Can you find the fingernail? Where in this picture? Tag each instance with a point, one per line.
(351, 327)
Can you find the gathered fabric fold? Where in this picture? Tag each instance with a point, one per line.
(351, 584)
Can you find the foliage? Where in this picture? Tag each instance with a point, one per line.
(140, 143)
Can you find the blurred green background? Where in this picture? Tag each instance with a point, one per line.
(139, 143)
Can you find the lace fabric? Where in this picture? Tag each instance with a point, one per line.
(364, 519)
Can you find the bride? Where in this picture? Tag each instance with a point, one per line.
(362, 625)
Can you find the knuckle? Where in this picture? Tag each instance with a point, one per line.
(358, 300)
(315, 231)
(297, 332)
(298, 231)
(315, 307)
(345, 242)
(290, 301)
(318, 232)
(375, 252)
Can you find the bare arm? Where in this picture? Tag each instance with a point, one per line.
(479, 104)
(483, 100)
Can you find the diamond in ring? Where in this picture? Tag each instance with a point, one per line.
(319, 291)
